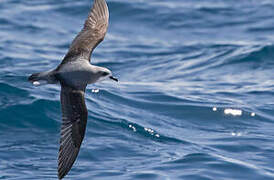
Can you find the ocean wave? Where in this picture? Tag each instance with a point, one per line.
(194, 98)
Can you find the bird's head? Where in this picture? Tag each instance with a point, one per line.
(105, 73)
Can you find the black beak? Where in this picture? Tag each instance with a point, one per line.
(113, 78)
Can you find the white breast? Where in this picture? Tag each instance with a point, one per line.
(78, 73)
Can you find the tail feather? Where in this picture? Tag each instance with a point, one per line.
(34, 77)
(48, 76)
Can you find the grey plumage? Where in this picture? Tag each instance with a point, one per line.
(72, 98)
(74, 73)
(73, 127)
(92, 34)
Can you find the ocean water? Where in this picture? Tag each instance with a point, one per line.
(195, 99)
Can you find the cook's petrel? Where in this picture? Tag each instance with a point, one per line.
(74, 73)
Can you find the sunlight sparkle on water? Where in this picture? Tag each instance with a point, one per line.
(234, 112)
(151, 131)
(236, 134)
(95, 90)
(132, 127)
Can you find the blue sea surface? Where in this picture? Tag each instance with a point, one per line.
(195, 99)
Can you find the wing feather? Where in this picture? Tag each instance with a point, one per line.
(74, 120)
(92, 34)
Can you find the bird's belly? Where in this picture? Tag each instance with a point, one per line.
(76, 75)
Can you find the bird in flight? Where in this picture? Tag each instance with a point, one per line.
(73, 74)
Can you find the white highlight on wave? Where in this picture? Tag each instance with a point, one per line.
(95, 90)
(234, 112)
(236, 134)
(152, 132)
(132, 127)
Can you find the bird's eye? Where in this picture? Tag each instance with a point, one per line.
(104, 74)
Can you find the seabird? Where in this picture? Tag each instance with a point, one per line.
(73, 74)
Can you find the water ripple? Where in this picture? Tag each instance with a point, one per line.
(194, 98)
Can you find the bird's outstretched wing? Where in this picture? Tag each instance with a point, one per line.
(74, 116)
(92, 34)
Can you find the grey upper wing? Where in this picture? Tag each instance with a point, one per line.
(92, 34)
(74, 116)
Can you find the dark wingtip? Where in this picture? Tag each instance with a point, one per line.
(61, 176)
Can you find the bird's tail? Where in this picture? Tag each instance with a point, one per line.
(47, 77)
